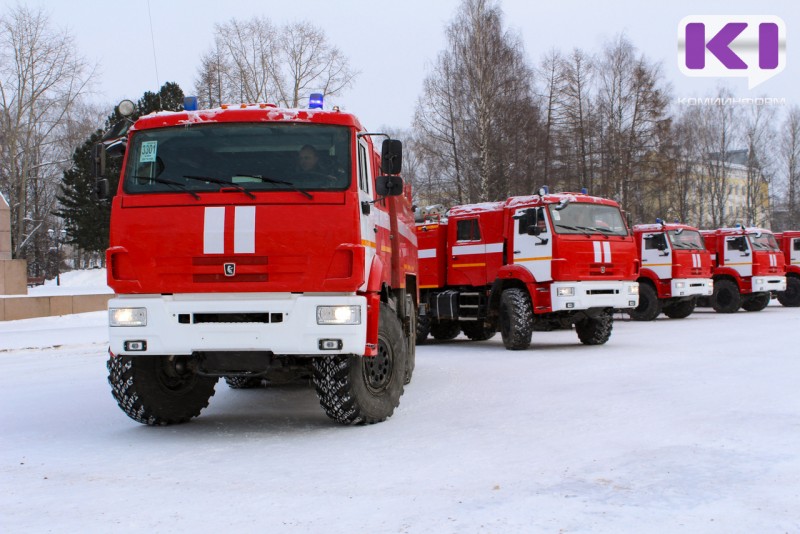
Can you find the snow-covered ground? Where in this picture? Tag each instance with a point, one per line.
(80, 282)
(673, 426)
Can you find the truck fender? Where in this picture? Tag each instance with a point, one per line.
(373, 295)
(725, 272)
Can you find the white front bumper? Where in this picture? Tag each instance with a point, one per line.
(689, 287)
(769, 283)
(612, 294)
(292, 327)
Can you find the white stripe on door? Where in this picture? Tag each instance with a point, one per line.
(214, 231)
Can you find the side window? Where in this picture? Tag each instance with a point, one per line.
(468, 230)
(363, 168)
(736, 243)
(656, 242)
(796, 244)
(532, 217)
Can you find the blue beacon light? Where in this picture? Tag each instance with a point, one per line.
(315, 101)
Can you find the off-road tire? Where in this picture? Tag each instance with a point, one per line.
(151, 391)
(516, 319)
(595, 330)
(478, 331)
(423, 328)
(360, 390)
(649, 306)
(726, 297)
(680, 309)
(445, 330)
(243, 382)
(755, 302)
(791, 297)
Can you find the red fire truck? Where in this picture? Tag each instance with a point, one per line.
(676, 270)
(747, 267)
(528, 263)
(790, 245)
(251, 240)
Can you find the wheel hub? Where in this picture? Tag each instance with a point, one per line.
(378, 369)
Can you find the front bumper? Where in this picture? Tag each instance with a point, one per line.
(612, 294)
(690, 287)
(281, 323)
(761, 284)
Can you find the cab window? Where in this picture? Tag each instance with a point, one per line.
(468, 230)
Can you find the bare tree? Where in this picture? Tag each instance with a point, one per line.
(477, 117)
(789, 161)
(578, 128)
(759, 136)
(253, 61)
(551, 77)
(42, 77)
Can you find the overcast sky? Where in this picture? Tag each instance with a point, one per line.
(392, 44)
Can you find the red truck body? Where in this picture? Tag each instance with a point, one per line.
(238, 260)
(789, 243)
(748, 266)
(675, 270)
(562, 258)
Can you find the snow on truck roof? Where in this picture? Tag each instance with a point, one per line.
(245, 113)
(656, 227)
(525, 201)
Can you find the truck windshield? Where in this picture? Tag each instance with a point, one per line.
(686, 240)
(764, 241)
(239, 157)
(584, 218)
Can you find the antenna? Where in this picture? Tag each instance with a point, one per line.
(155, 60)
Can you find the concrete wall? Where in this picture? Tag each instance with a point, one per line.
(13, 308)
(13, 277)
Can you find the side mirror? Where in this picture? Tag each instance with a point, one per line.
(100, 191)
(534, 230)
(98, 160)
(389, 186)
(391, 156)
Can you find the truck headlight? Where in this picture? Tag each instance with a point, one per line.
(633, 289)
(758, 281)
(680, 285)
(565, 292)
(127, 316)
(338, 314)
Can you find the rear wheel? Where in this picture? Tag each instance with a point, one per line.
(445, 330)
(516, 319)
(649, 306)
(479, 331)
(595, 330)
(358, 390)
(158, 390)
(243, 382)
(726, 297)
(791, 297)
(681, 309)
(755, 302)
(423, 328)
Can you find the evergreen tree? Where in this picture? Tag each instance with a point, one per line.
(86, 219)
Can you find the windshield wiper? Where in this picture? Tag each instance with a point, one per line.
(269, 180)
(221, 183)
(169, 182)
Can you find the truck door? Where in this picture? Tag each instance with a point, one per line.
(739, 255)
(794, 252)
(533, 242)
(467, 264)
(368, 213)
(657, 254)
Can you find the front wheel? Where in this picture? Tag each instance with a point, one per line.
(358, 390)
(479, 331)
(516, 319)
(680, 310)
(755, 302)
(726, 297)
(445, 330)
(791, 297)
(595, 330)
(158, 390)
(649, 306)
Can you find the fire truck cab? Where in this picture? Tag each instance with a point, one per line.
(789, 243)
(251, 241)
(747, 266)
(675, 270)
(528, 263)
